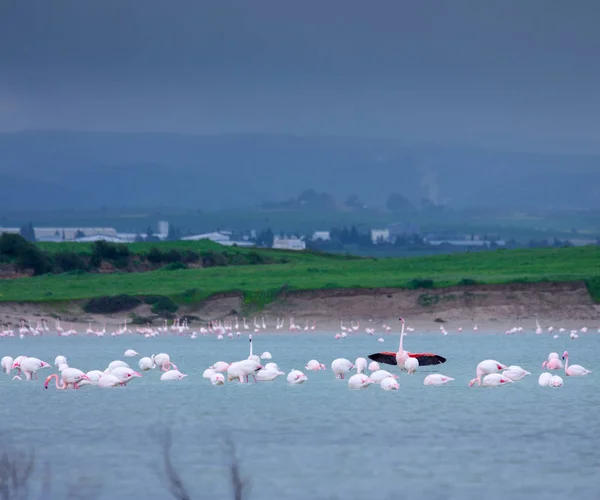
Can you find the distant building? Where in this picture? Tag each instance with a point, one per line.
(321, 235)
(400, 229)
(288, 244)
(380, 236)
(163, 229)
(217, 237)
(100, 237)
(467, 243)
(64, 233)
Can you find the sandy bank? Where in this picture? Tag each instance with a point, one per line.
(482, 304)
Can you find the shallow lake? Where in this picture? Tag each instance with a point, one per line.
(319, 439)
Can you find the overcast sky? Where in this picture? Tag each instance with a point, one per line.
(517, 74)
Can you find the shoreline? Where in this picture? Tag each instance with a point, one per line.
(488, 306)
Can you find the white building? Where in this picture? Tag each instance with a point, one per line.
(100, 237)
(288, 244)
(467, 243)
(217, 237)
(64, 233)
(321, 235)
(163, 229)
(380, 236)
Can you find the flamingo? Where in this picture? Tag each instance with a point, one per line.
(360, 364)
(379, 375)
(268, 374)
(296, 377)
(360, 381)
(411, 365)
(341, 366)
(436, 379)
(217, 379)
(220, 367)
(544, 379)
(515, 373)
(253, 357)
(400, 357)
(6, 363)
(486, 367)
(173, 375)
(389, 384)
(495, 380)
(556, 381)
(69, 377)
(574, 370)
(314, 365)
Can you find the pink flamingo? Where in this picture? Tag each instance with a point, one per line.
(574, 370)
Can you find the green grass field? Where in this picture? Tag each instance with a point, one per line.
(261, 283)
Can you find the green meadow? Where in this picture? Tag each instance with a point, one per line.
(309, 270)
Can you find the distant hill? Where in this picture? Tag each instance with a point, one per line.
(80, 170)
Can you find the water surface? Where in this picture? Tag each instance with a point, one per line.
(317, 440)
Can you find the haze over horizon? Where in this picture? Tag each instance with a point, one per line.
(500, 77)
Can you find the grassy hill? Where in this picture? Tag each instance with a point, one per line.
(309, 270)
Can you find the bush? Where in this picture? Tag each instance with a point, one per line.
(68, 261)
(421, 283)
(111, 304)
(164, 306)
(32, 258)
(173, 256)
(174, 266)
(427, 300)
(12, 245)
(140, 320)
(212, 259)
(155, 256)
(467, 281)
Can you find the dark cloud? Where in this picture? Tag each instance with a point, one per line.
(512, 73)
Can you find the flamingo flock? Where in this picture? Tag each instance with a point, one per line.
(118, 373)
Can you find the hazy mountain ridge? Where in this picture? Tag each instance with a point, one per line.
(88, 170)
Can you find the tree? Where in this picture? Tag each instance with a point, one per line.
(353, 202)
(265, 238)
(28, 232)
(174, 233)
(150, 235)
(399, 204)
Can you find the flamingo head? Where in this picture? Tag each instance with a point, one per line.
(565, 355)
(48, 379)
(401, 320)
(322, 367)
(473, 382)
(544, 364)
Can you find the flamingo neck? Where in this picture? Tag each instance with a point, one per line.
(566, 363)
(401, 338)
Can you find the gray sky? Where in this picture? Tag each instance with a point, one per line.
(517, 74)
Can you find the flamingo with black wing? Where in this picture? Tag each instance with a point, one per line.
(400, 357)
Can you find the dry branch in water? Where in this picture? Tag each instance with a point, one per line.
(176, 486)
(16, 469)
(240, 485)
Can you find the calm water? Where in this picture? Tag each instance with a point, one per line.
(317, 440)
